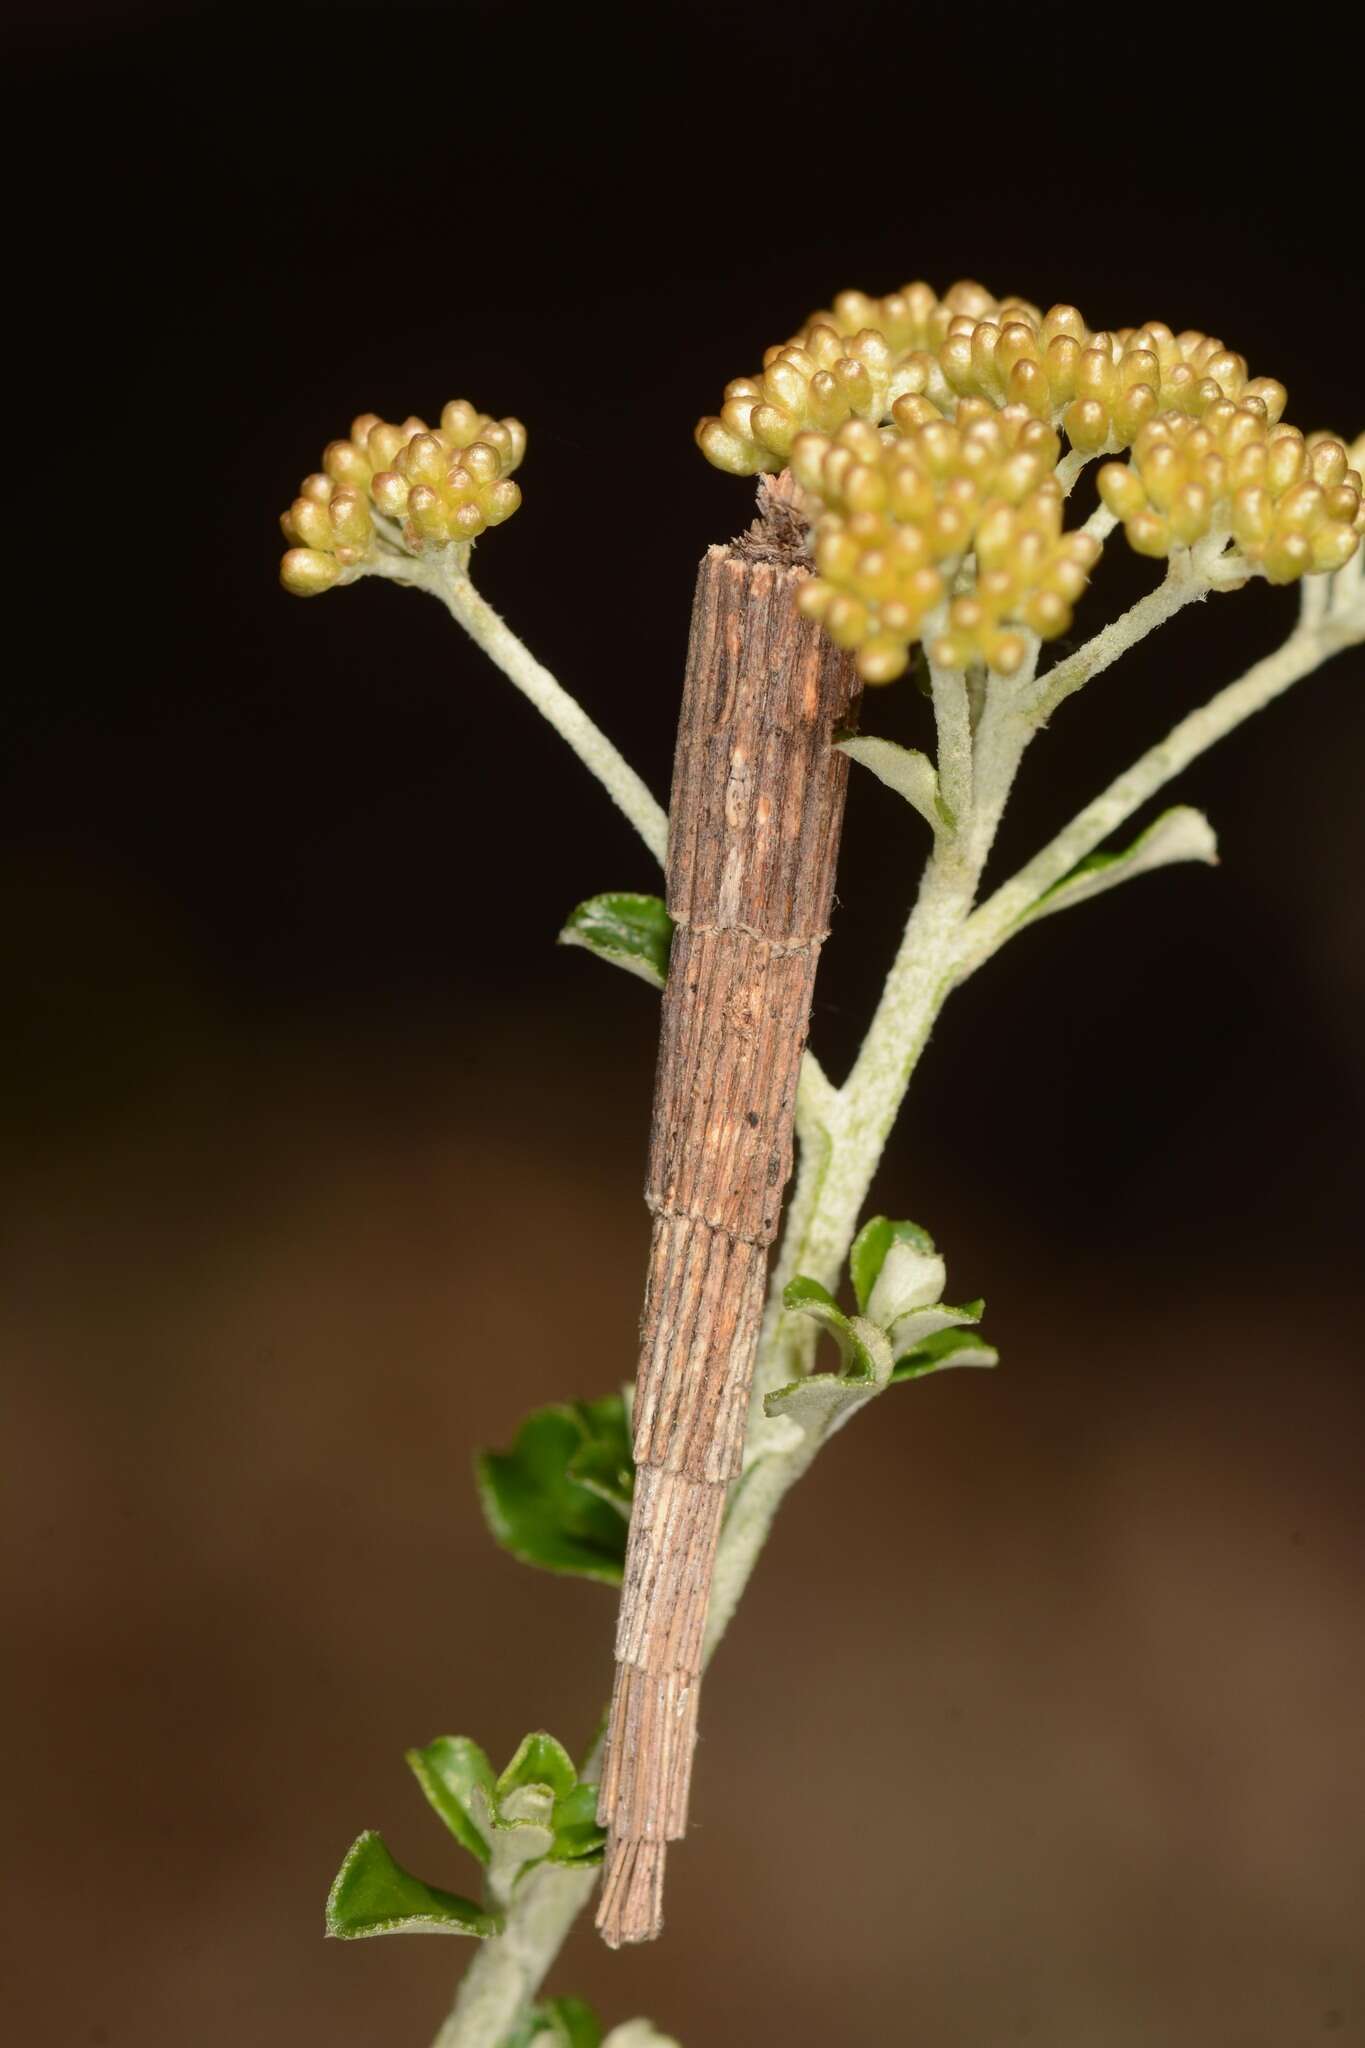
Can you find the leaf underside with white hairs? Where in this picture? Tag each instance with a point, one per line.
(907, 771)
(1178, 834)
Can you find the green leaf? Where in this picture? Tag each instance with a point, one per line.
(449, 1770)
(910, 1279)
(606, 1462)
(558, 2023)
(578, 1838)
(867, 1254)
(539, 1760)
(908, 1332)
(537, 1808)
(374, 1895)
(822, 1402)
(948, 1348)
(1178, 834)
(560, 1497)
(521, 1830)
(634, 932)
(907, 771)
(807, 1297)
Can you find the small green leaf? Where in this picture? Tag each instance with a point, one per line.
(822, 1402)
(867, 1255)
(558, 2023)
(908, 1332)
(948, 1348)
(606, 1462)
(448, 1771)
(909, 1279)
(537, 1808)
(907, 771)
(807, 1297)
(811, 1298)
(521, 1830)
(374, 1895)
(634, 932)
(578, 1839)
(1181, 833)
(539, 1760)
(559, 1497)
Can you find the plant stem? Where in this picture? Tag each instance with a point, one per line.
(842, 1131)
(1305, 649)
(565, 714)
(1182, 584)
(449, 580)
(507, 1972)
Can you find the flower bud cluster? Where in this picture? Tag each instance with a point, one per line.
(331, 530)
(916, 318)
(816, 382)
(445, 483)
(900, 508)
(1102, 388)
(1028, 571)
(1291, 501)
(450, 483)
(855, 359)
(849, 362)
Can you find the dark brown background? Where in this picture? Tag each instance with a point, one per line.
(1042, 1720)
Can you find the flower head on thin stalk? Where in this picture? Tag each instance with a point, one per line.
(435, 485)
(1291, 501)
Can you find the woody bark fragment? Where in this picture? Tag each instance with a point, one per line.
(754, 823)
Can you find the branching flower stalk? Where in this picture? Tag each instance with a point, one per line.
(929, 446)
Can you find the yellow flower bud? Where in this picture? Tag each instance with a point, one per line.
(307, 572)
(1332, 548)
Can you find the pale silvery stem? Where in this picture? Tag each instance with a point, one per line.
(449, 580)
(1101, 523)
(508, 1970)
(1070, 467)
(921, 977)
(1183, 583)
(1327, 632)
(564, 713)
(952, 717)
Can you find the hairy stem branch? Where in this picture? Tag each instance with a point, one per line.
(446, 577)
(1301, 653)
(563, 712)
(1182, 584)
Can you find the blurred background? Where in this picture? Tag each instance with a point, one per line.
(1042, 1719)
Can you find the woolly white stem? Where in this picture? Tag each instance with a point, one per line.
(1306, 649)
(446, 577)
